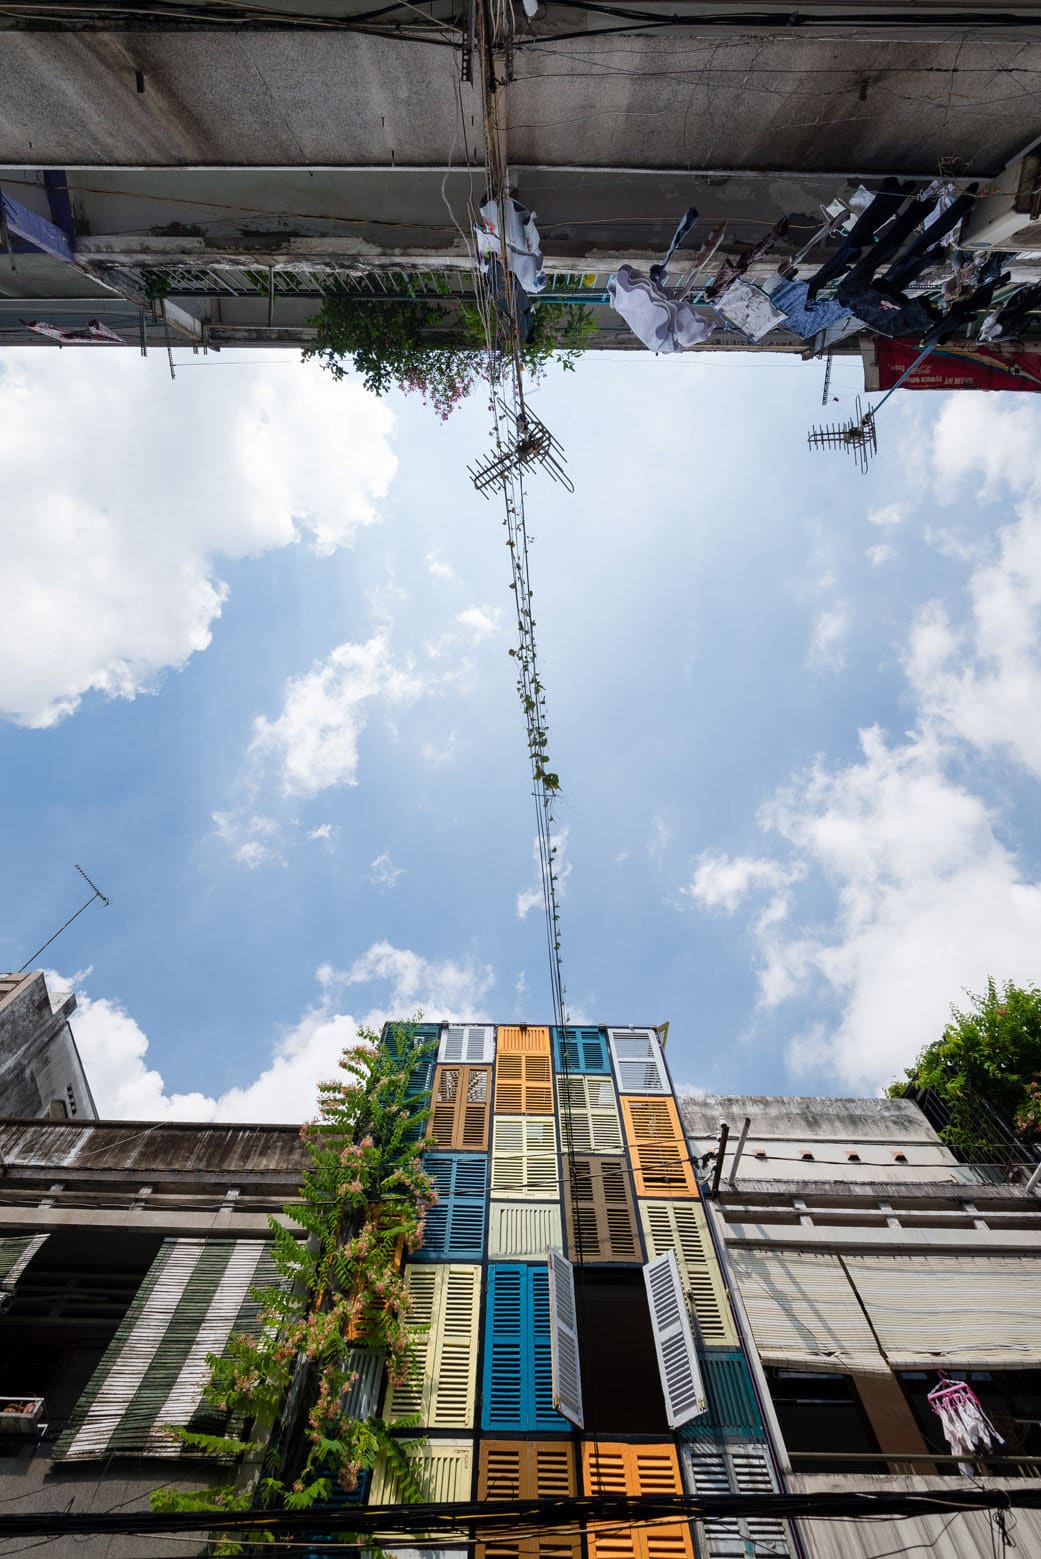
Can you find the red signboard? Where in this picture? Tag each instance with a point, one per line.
(965, 367)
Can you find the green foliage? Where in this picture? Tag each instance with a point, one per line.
(991, 1052)
(393, 344)
(363, 1202)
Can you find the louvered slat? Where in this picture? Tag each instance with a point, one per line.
(580, 1050)
(661, 1163)
(601, 1219)
(734, 1469)
(441, 1383)
(461, 1106)
(524, 1157)
(526, 1469)
(680, 1377)
(566, 1364)
(445, 1469)
(611, 1468)
(638, 1062)
(732, 1407)
(680, 1226)
(517, 1385)
(468, 1042)
(523, 1231)
(589, 1109)
(524, 1040)
(454, 1227)
(523, 1085)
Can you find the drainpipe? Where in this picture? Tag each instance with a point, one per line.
(740, 1149)
(721, 1147)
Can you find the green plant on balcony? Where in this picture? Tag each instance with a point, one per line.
(363, 1204)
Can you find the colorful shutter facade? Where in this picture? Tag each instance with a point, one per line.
(153, 1372)
(618, 1468)
(680, 1377)
(589, 1111)
(523, 1085)
(461, 1108)
(601, 1218)
(661, 1162)
(580, 1050)
(524, 1157)
(445, 1472)
(455, 1225)
(638, 1061)
(681, 1226)
(566, 1364)
(518, 1379)
(524, 1040)
(472, 1042)
(735, 1469)
(441, 1386)
(527, 1469)
(523, 1231)
(733, 1411)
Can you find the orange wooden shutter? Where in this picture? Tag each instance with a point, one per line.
(612, 1468)
(461, 1100)
(526, 1469)
(658, 1148)
(600, 1211)
(523, 1085)
(524, 1041)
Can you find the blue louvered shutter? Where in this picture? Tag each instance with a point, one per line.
(455, 1226)
(518, 1377)
(580, 1050)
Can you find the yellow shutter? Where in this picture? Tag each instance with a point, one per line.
(441, 1383)
(523, 1085)
(524, 1157)
(680, 1226)
(529, 1041)
(445, 1471)
(661, 1163)
(590, 1105)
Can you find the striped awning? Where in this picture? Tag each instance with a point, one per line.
(804, 1312)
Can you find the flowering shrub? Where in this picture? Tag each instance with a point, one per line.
(364, 1203)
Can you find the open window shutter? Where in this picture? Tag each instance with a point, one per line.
(518, 1375)
(589, 1107)
(735, 1469)
(16, 1252)
(455, 1225)
(473, 1042)
(680, 1377)
(462, 1099)
(442, 1379)
(661, 1163)
(567, 1372)
(635, 1469)
(524, 1085)
(680, 1226)
(601, 1219)
(523, 1231)
(580, 1050)
(154, 1370)
(638, 1062)
(524, 1157)
(526, 1469)
(529, 1041)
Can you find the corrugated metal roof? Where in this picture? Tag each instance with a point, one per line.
(969, 1535)
(153, 1146)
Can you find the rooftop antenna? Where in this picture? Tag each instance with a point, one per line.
(858, 436)
(97, 894)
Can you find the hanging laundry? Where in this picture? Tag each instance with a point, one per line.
(962, 316)
(801, 318)
(1011, 320)
(943, 192)
(686, 222)
(965, 1425)
(749, 308)
(662, 321)
(523, 245)
(732, 269)
(510, 298)
(888, 315)
(882, 208)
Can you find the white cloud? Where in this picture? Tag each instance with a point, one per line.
(115, 1049)
(383, 873)
(252, 840)
(314, 740)
(995, 439)
(111, 574)
(482, 621)
(724, 881)
(827, 652)
(325, 832)
(528, 898)
(437, 568)
(659, 841)
(444, 753)
(880, 554)
(890, 515)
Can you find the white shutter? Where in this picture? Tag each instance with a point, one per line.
(680, 1377)
(563, 1326)
(523, 1231)
(473, 1042)
(589, 1104)
(638, 1062)
(734, 1469)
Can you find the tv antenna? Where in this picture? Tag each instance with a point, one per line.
(97, 894)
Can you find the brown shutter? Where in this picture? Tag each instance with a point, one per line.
(461, 1099)
(659, 1149)
(600, 1212)
(527, 1469)
(523, 1085)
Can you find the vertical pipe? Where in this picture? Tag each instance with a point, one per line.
(721, 1147)
(740, 1149)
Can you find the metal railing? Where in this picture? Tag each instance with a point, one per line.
(401, 286)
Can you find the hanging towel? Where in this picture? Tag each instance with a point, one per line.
(523, 245)
(660, 322)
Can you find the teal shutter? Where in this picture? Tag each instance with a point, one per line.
(196, 1293)
(518, 1373)
(732, 1407)
(580, 1050)
(455, 1226)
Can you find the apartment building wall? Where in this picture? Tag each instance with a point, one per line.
(40, 1068)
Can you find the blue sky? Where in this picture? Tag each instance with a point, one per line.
(253, 657)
